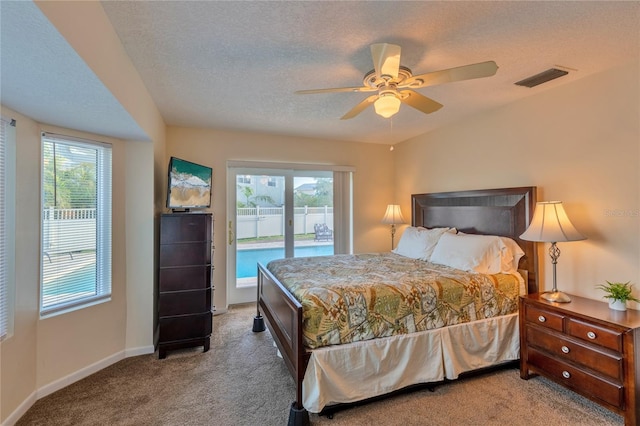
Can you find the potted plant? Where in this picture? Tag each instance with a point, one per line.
(618, 294)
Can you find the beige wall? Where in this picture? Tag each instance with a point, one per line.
(77, 339)
(43, 355)
(18, 372)
(373, 185)
(578, 143)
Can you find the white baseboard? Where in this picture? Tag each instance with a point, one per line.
(142, 350)
(79, 374)
(20, 411)
(219, 311)
(72, 378)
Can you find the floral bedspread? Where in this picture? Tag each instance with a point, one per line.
(349, 298)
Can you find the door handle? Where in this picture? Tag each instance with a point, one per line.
(230, 232)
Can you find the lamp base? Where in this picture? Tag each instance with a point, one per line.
(556, 296)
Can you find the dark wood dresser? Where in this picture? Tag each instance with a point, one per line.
(585, 346)
(184, 281)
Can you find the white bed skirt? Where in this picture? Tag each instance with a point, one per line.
(361, 370)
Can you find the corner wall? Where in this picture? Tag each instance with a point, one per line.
(45, 355)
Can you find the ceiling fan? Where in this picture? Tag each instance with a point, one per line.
(395, 83)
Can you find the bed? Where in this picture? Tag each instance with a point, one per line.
(331, 374)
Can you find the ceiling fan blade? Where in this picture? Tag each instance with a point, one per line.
(419, 102)
(465, 72)
(337, 90)
(360, 107)
(386, 59)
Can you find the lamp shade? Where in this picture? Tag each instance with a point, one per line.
(393, 215)
(551, 224)
(387, 105)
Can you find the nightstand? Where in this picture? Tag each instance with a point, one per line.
(585, 346)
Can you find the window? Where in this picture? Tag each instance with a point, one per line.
(76, 223)
(244, 179)
(7, 233)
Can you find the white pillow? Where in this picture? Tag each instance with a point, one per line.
(486, 254)
(419, 242)
(515, 253)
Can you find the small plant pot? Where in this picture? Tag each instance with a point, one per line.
(617, 305)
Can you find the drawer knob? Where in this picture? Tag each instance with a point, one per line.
(566, 374)
(541, 318)
(565, 349)
(591, 335)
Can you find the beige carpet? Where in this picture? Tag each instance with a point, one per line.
(240, 381)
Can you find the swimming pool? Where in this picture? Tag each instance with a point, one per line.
(76, 284)
(247, 260)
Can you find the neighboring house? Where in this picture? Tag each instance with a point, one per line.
(306, 188)
(263, 191)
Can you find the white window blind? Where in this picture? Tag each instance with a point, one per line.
(7, 220)
(76, 223)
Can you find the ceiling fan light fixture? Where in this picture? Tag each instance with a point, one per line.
(394, 83)
(387, 105)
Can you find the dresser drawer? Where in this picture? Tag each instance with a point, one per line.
(184, 302)
(184, 278)
(185, 228)
(185, 327)
(607, 363)
(581, 381)
(592, 333)
(552, 320)
(185, 254)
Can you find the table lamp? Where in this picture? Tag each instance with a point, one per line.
(550, 224)
(393, 216)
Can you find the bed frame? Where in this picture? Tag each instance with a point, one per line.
(505, 212)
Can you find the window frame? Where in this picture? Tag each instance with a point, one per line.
(103, 226)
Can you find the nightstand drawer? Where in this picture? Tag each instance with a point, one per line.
(579, 380)
(586, 347)
(608, 363)
(544, 318)
(595, 334)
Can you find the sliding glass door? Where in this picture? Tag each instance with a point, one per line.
(275, 213)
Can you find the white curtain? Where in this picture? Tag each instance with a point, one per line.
(343, 212)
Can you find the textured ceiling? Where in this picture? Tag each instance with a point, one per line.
(42, 77)
(236, 65)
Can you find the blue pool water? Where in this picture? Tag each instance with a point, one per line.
(79, 283)
(247, 260)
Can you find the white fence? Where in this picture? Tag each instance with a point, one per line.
(255, 222)
(68, 230)
(74, 230)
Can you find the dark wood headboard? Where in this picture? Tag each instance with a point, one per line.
(505, 212)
